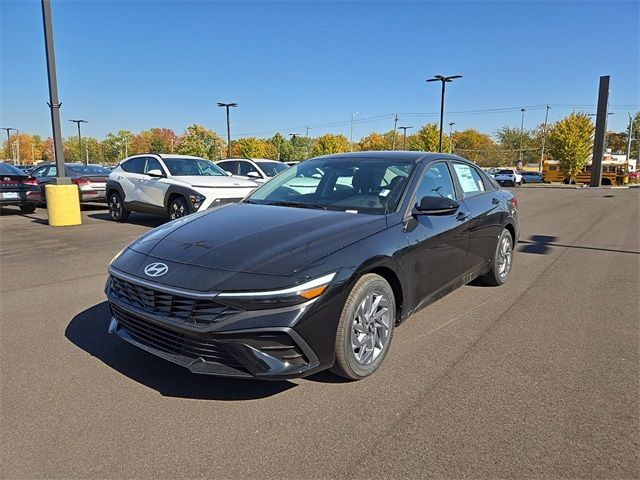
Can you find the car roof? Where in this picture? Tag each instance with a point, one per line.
(175, 155)
(399, 155)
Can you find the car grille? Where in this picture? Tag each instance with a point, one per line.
(189, 310)
(170, 341)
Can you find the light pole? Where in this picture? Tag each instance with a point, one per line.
(353, 115)
(451, 136)
(17, 162)
(8, 129)
(293, 142)
(629, 138)
(78, 122)
(444, 80)
(521, 135)
(404, 136)
(227, 106)
(544, 136)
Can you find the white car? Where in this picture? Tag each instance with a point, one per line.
(259, 170)
(173, 185)
(508, 177)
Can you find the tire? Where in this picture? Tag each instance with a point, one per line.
(362, 341)
(117, 212)
(25, 209)
(178, 208)
(499, 273)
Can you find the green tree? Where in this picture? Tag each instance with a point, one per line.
(252, 147)
(475, 146)
(200, 142)
(283, 148)
(330, 143)
(427, 139)
(509, 142)
(117, 146)
(373, 141)
(570, 141)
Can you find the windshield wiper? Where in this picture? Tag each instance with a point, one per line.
(296, 205)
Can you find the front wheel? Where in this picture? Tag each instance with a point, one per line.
(27, 209)
(365, 329)
(502, 260)
(178, 208)
(117, 212)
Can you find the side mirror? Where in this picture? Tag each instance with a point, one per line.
(436, 206)
(254, 175)
(229, 174)
(155, 173)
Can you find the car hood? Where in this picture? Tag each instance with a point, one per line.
(257, 239)
(210, 181)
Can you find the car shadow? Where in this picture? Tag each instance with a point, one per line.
(88, 331)
(136, 218)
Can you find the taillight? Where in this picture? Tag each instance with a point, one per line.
(514, 201)
(30, 181)
(80, 181)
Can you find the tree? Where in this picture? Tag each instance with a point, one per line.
(475, 146)
(509, 140)
(252, 147)
(427, 139)
(115, 147)
(200, 142)
(373, 141)
(284, 149)
(617, 141)
(329, 143)
(570, 141)
(155, 140)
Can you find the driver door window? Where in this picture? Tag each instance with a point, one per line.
(436, 182)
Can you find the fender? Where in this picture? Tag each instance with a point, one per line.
(113, 185)
(183, 191)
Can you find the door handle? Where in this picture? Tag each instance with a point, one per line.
(119, 177)
(462, 216)
(495, 201)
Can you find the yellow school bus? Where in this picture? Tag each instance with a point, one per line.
(614, 172)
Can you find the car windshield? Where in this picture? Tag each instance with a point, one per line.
(354, 185)
(187, 167)
(88, 169)
(505, 172)
(271, 169)
(6, 169)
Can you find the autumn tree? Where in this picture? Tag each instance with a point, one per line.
(569, 142)
(427, 139)
(509, 140)
(201, 142)
(373, 141)
(252, 147)
(475, 146)
(330, 143)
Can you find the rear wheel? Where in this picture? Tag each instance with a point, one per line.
(502, 260)
(27, 208)
(178, 208)
(117, 212)
(365, 329)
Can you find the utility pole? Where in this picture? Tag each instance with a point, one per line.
(521, 135)
(600, 136)
(54, 104)
(78, 122)
(227, 106)
(353, 115)
(444, 80)
(293, 142)
(629, 138)
(451, 136)
(395, 124)
(544, 136)
(17, 160)
(404, 136)
(8, 129)
(306, 145)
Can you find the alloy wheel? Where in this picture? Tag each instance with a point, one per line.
(177, 210)
(505, 255)
(115, 207)
(370, 328)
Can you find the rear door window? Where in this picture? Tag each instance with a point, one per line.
(135, 165)
(231, 167)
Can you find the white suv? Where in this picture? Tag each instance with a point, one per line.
(173, 185)
(508, 177)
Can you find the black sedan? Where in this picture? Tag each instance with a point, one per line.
(17, 189)
(294, 280)
(90, 179)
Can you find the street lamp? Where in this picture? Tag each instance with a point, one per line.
(8, 129)
(293, 142)
(521, 135)
(444, 80)
(227, 106)
(80, 139)
(451, 136)
(404, 136)
(353, 115)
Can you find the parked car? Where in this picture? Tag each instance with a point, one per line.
(285, 284)
(174, 185)
(258, 170)
(90, 179)
(531, 177)
(633, 176)
(508, 177)
(17, 189)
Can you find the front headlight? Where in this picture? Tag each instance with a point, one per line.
(277, 298)
(196, 200)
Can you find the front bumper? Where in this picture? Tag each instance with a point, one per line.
(267, 344)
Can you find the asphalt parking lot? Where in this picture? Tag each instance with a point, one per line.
(538, 378)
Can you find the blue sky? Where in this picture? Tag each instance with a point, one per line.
(137, 65)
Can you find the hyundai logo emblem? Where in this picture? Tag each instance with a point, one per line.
(156, 269)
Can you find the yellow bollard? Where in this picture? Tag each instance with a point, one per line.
(63, 205)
